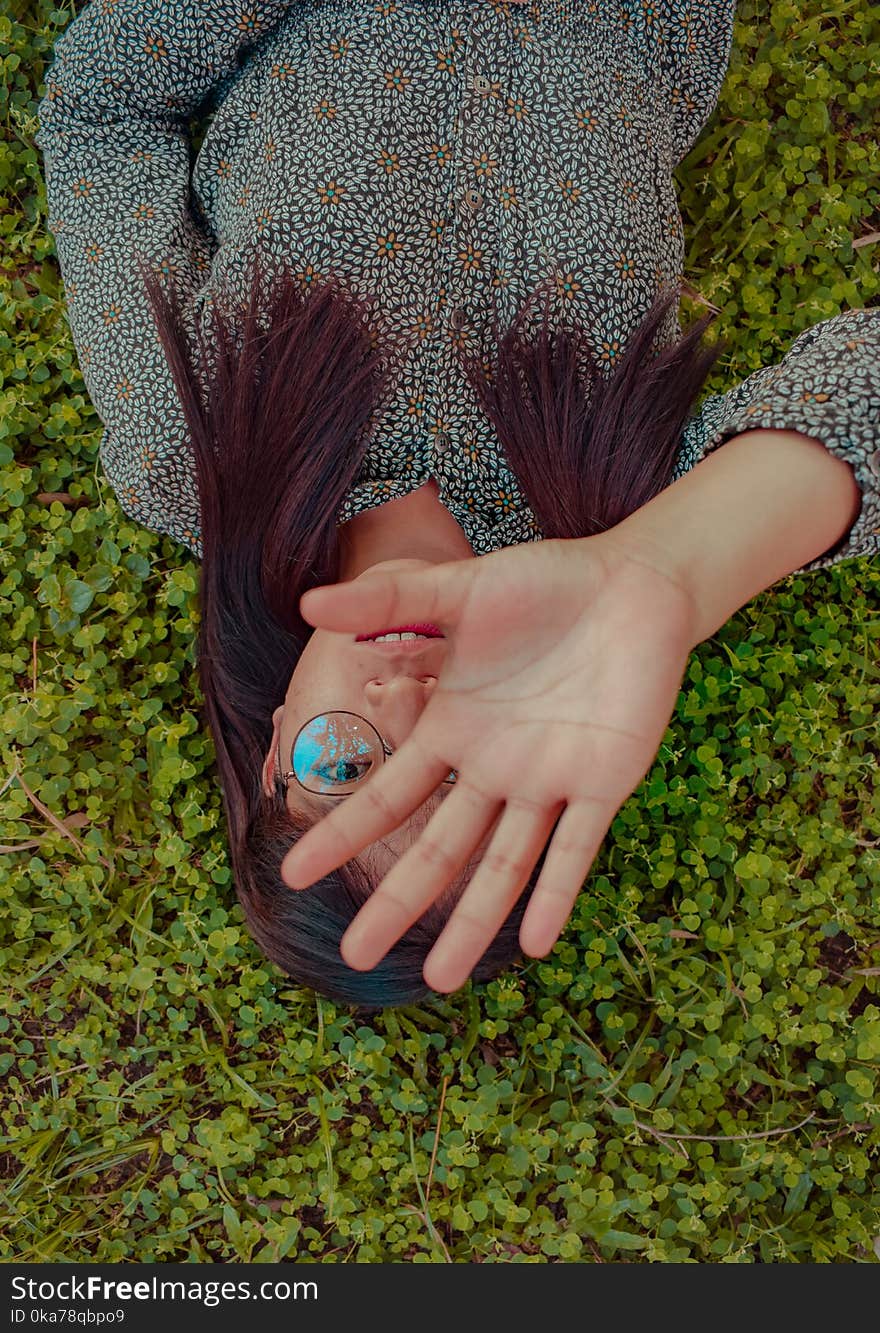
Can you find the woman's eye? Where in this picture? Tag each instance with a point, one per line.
(344, 770)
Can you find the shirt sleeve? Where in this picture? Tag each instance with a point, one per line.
(828, 387)
(114, 133)
(683, 49)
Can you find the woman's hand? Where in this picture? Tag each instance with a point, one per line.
(565, 664)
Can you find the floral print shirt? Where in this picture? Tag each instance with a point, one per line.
(441, 157)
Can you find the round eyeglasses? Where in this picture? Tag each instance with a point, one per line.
(334, 752)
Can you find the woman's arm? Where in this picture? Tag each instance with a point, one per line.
(762, 506)
(682, 49)
(114, 133)
(825, 388)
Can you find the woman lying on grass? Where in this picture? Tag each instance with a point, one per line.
(534, 697)
(557, 550)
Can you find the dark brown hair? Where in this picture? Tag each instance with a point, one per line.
(279, 402)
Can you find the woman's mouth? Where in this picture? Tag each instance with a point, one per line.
(422, 630)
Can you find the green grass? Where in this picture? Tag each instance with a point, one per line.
(691, 1076)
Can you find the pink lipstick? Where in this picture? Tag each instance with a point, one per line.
(430, 631)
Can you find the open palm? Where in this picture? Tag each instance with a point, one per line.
(565, 662)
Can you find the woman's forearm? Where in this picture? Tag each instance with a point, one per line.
(761, 505)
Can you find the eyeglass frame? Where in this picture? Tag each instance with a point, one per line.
(284, 778)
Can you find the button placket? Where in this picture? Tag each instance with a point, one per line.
(476, 220)
(474, 231)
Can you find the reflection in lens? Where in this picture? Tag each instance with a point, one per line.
(334, 751)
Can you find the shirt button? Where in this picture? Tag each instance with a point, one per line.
(481, 84)
(458, 318)
(874, 463)
(473, 199)
(442, 442)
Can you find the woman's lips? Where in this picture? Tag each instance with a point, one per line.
(423, 627)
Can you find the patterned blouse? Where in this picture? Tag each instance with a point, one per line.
(441, 157)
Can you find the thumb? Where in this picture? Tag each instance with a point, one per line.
(373, 601)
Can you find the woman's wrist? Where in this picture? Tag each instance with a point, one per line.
(763, 504)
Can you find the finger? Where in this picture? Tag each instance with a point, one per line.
(384, 801)
(426, 868)
(572, 852)
(375, 600)
(502, 875)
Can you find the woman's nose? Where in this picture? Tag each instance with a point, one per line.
(397, 701)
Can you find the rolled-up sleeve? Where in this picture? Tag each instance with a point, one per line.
(828, 387)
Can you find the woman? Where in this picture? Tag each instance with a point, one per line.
(348, 382)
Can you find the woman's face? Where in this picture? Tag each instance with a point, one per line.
(388, 684)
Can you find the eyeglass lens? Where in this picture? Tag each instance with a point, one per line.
(335, 751)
